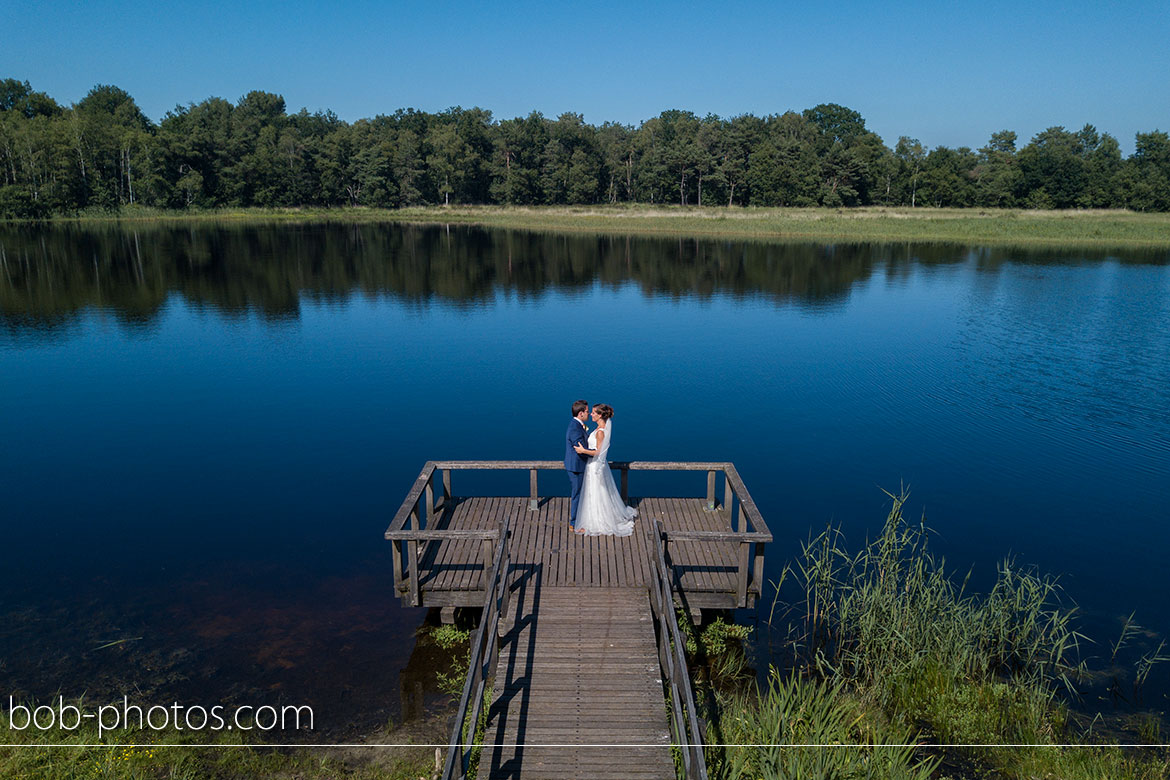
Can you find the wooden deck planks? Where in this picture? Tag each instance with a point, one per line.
(436, 555)
(579, 669)
(701, 555)
(541, 540)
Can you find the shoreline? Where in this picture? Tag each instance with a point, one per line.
(1099, 229)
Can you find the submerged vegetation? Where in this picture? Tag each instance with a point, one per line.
(137, 753)
(887, 654)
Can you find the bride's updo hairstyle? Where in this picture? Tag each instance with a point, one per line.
(604, 411)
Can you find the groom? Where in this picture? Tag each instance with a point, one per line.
(574, 463)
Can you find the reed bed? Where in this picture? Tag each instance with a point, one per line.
(887, 654)
(800, 727)
(890, 620)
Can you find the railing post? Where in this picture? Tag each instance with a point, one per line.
(710, 491)
(533, 501)
(412, 558)
(399, 583)
(728, 494)
(430, 500)
(625, 483)
(744, 559)
(446, 487)
(758, 567)
(506, 592)
(737, 523)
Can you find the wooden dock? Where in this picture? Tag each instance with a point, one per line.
(578, 643)
(578, 668)
(444, 543)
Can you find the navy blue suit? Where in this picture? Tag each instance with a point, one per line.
(575, 465)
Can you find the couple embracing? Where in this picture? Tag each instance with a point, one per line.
(595, 506)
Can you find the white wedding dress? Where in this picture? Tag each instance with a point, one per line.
(602, 511)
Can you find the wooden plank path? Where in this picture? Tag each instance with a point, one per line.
(578, 673)
(451, 570)
(578, 639)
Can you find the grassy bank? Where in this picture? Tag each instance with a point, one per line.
(970, 226)
(1097, 229)
(143, 754)
(888, 654)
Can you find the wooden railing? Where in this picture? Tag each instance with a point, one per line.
(411, 526)
(684, 720)
(485, 651)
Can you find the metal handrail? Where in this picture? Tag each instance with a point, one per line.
(687, 734)
(485, 649)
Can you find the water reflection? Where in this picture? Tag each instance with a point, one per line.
(50, 274)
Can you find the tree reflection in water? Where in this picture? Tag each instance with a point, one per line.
(50, 274)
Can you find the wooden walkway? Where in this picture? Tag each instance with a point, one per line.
(578, 642)
(578, 669)
(452, 569)
(542, 538)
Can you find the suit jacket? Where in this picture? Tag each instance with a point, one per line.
(575, 435)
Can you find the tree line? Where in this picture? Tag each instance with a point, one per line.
(103, 153)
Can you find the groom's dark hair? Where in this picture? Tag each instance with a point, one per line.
(579, 406)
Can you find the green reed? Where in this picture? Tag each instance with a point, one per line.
(893, 657)
(802, 727)
(891, 621)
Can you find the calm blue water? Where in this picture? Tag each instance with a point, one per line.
(206, 430)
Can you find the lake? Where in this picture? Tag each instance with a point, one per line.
(207, 427)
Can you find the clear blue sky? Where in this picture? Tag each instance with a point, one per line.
(946, 73)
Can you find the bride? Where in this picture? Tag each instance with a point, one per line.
(602, 511)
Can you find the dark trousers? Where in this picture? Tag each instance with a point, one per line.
(575, 480)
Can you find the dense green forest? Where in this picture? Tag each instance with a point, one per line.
(103, 153)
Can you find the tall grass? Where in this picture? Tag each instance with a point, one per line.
(891, 621)
(887, 649)
(805, 728)
(1113, 228)
(1005, 227)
